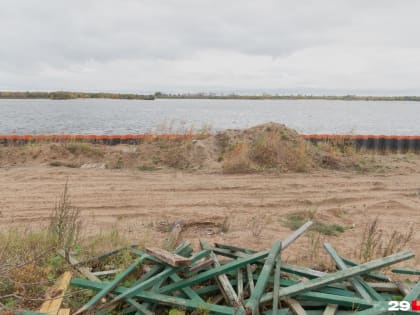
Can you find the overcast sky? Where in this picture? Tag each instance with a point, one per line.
(334, 47)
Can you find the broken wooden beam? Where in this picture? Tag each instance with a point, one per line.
(55, 295)
(168, 258)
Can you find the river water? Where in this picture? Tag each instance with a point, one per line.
(103, 116)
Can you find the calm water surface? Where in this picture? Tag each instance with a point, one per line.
(102, 116)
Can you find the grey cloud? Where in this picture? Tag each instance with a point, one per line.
(157, 44)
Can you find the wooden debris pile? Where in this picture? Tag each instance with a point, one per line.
(225, 280)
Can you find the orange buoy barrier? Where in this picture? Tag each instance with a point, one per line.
(369, 142)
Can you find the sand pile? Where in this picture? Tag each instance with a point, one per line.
(267, 147)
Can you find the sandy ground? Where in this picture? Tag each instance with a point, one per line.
(143, 204)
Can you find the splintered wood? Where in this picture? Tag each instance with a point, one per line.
(55, 295)
(169, 258)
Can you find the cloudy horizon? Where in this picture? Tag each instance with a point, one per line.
(285, 47)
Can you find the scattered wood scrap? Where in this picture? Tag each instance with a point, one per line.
(229, 280)
(169, 258)
(55, 295)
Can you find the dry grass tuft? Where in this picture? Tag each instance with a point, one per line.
(65, 223)
(375, 242)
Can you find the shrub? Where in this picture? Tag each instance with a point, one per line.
(65, 223)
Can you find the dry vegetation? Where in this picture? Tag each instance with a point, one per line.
(30, 264)
(265, 148)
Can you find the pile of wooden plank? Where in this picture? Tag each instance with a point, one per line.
(223, 279)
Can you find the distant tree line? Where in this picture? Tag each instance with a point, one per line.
(286, 97)
(63, 95)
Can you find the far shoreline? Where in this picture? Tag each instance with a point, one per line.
(69, 95)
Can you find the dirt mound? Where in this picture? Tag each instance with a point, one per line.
(264, 147)
(267, 147)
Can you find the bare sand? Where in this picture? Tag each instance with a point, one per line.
(142, 205)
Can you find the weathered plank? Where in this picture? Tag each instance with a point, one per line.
(106, 255)
(295, 306)
(414, 294)
(158, 298)
(296, 234)
(163, 274)
(357, 281)
(174, 235)
(254, 301)
(111, 285)
(199, 266)
(64, 311)
(188, 291)
(372, 275)
(55, 295)
(240, 283)
(276, 286)
(250, 276)
(215, 272)
(75, 264)
(405, 271)
(106, 272)
(169, 258)
(225, 286)
(345, 274)
(139, 307)
(403, 288)
(331, 309)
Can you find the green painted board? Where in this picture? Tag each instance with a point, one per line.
(162, 299)
(414, 293)
(345, 274)
(238, 263)
(372, 275)
(254, 301)
(406, 271)
(359, 285)
(168, 271)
